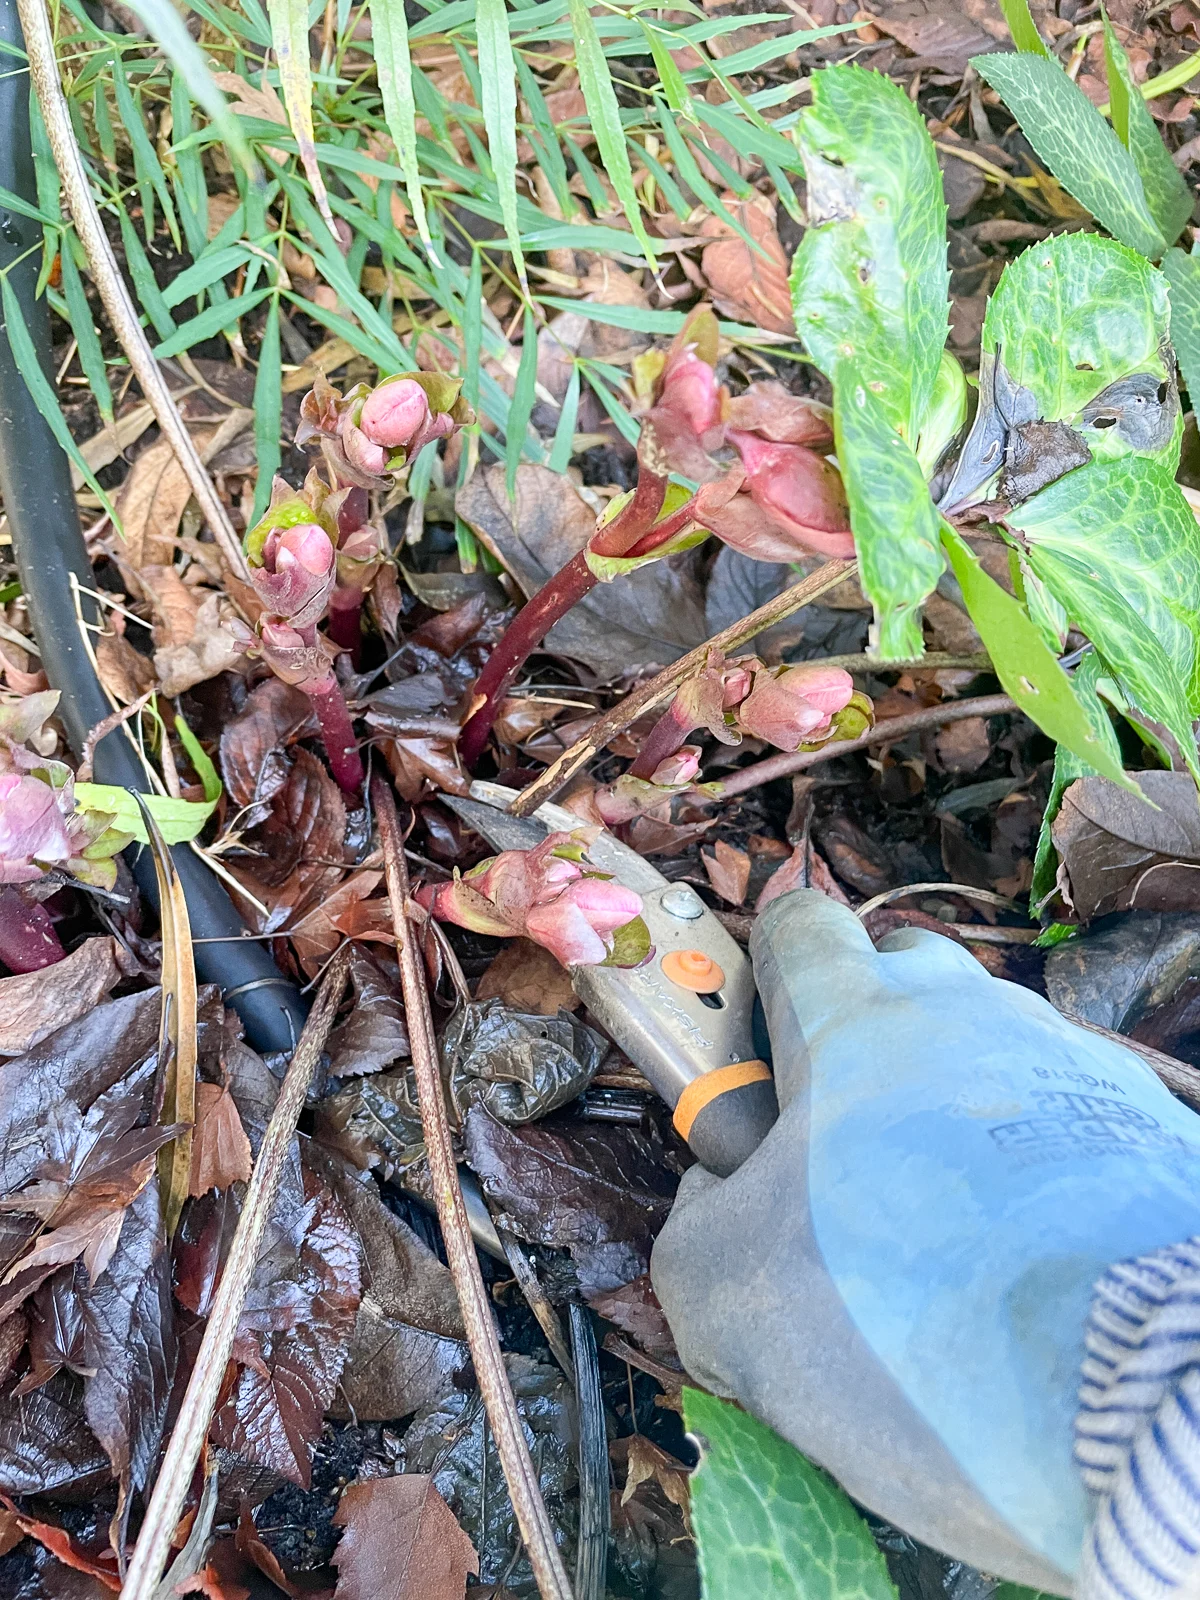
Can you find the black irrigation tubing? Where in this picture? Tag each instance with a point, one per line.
(35, 482)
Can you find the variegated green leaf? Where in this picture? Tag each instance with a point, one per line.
(869, 282)
(1167, 195)
(1182, 272)
(896, 528)
(1117, 544)
(1076, 144)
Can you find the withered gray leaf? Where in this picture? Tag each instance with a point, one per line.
(1036, 455)
(1142, 408)
(518, 1066)
(1117, 852)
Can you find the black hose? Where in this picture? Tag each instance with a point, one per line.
(35, 482)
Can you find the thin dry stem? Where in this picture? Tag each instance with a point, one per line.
(195, 1414)
(534, 1523)
(657, 689)
(984, 705)
(43, 69)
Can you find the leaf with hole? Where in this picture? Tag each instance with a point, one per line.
(869, 280)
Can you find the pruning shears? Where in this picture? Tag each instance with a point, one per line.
(685, 1016)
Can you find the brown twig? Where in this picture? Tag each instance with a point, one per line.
(43, 70)
(523, 1487)
(782, 766)
(195, 1414)
(657, 689)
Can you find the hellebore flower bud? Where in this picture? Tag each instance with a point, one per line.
(32, 829)
(795, 707)
(691, 392)
(543, 894)
(394, 413)
(295, 573)
(800, 492)
(631, 797)
(361, 452)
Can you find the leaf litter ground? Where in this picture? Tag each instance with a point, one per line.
(351, 1365)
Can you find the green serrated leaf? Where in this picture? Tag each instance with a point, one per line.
(869, 282)
(1117, 544)
(946, 415)
(1167, 195)
(497, 71)
(1072, 315)
(1022, 27)
(1182, 272)
(1067, 767)
(600, 97)
(1073, 140)
(178, 820)
(768, 1523)
(896, 527)
(1029, 672)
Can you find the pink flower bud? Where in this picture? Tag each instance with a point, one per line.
(296, 574)
(691, 392)
(361, 453)
(33, 835)
(577, 926)
(394, 413)
(679, 769)
(796, 706)
(800, 492)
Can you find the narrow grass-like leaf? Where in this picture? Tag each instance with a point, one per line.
(689, 172)
(212, 266)
(627, 427)
(268, 411)
(767, 1521)
(200, 759)
(767, 50)
(91, 357)
(144, 282)
(1167, 195)
(209, 323)
(521, 409)
(147, 168)
(1022, 27)
(289, 35)
(472, 328)
(393, 63)
(1026, 667)
(498, 74)
(30, 368)
(167, 25)
(596, 82)
(347, 330)
(14, 202)
(670, 79)
(544, 139)
(564, 434)
(1183, 274)
(1077, 145)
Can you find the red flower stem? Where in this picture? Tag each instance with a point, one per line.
(522, 636)
(345, 622)
(28, 941)
(552, 601)
(337, 731)
(668, 735)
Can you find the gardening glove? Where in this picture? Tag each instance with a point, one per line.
(899, 1279)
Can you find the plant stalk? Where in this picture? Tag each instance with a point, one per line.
(345, 623)
(501, 1408)
(337, 732)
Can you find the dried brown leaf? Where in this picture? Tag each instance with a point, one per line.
(1117, 853)
(253, 762)
(125, 673)
(151, 503)
(220, 1148)
(401, 1542)
(745, 284)
(728, 871)
(33, 1005)
(528, 978)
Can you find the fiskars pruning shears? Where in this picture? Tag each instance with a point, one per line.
(685, 1016)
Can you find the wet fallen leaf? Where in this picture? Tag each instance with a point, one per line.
(645, 1461)
(55, 1332)
(793, 874)
(938, 32)
(634, 1308)
(600, 1192)
(375, 1123)
(347, 913)
(528, 978)
(33, 1005)
(253, 763)
(60, 1544)
(748, 285)
(728, 871)
(373, 1035)
(220, 1148)
(151, 502)
(45, 1444)
(1117, 853)
(651, 615)
(125, 673)
(518, 1066)
(964, 746)
(401, 1542)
